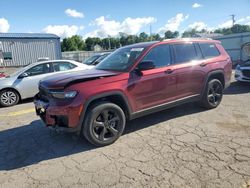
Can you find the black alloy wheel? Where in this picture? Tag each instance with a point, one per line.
(213, 94)
(104, 124)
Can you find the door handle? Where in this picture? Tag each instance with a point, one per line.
(169, 71)
(203, 64)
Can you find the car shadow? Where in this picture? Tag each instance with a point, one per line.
(237, 88)
(33, 143)
(30, 144)
(162, 116)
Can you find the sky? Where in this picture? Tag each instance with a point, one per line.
(96, 18)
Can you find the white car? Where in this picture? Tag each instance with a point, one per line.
(24, 83)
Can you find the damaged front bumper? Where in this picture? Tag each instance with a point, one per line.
(61, 118)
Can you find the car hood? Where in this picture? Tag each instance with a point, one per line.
(62, 80)
(245, 64)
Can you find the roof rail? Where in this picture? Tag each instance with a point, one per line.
(192, 38)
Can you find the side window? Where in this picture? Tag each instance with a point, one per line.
(39, 69)
(160, 55)
(63, 66)
(184, 52)
(209, 50)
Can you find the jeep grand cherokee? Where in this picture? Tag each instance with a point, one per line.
(134, 81)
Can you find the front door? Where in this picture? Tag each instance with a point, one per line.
(28, 86)
(155, 86)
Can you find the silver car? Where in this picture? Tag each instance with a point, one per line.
(24, 83)
(242, 72)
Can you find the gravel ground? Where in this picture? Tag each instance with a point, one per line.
(185, 146)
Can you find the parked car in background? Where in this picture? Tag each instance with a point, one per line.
(2, 75)
(95, 59)
(242, 71)
(134, 81)
(24, 83)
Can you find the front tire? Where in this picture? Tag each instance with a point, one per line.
(213, 94)
(104, 123)
(9, 97)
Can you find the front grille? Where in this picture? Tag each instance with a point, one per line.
(44, 94)
(246, 73)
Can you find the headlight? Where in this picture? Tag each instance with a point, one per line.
(238, 73)
(64, 95)
(238, 67)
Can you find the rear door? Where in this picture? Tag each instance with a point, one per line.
(189, 69)
(156, 86)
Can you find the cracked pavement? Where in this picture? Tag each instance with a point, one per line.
(185, 146)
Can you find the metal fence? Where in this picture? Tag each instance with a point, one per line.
(80, 55)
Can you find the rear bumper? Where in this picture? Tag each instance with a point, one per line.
(61, 118)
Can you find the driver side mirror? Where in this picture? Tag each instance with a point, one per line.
(144, 65)
(23, 75)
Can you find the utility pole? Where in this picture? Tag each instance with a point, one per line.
(233, 18)
(109, 42)
(150, 32)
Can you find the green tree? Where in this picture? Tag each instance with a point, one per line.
(91, 42)
(74, 43)
(105, 43)
(237, 28)
(156, 37)
(143, 37)
(169, 34)
(189, 33)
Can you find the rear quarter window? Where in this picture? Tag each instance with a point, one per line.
(209, 50)
(184, 52)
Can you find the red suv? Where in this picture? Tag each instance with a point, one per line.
(131, 82)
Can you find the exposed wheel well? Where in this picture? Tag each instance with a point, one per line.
(9, 88)
(116, 99)
(219, 76)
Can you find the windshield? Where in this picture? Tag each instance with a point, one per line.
(121, 59)
(90, 60)
(102, 57)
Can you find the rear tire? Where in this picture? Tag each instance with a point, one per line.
(213, 94)
(104, 123)
(9, 97)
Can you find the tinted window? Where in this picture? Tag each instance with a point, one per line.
(184, 53)
(209, 50)
(160, 55)
(63, 66)
(39, 69)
